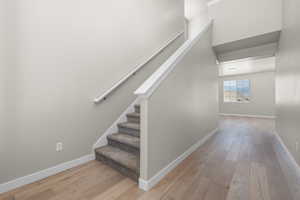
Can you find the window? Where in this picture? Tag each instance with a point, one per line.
(236, 91)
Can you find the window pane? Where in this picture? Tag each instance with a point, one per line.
(230, 91)
(236, 91)
(243, 90)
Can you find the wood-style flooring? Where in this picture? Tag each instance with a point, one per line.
(241, 162)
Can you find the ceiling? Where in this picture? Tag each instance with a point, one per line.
(259, 46)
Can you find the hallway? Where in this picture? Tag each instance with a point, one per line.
(240, 162)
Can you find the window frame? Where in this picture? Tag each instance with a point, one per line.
(236, 89)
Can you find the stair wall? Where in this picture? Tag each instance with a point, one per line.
(182, 110)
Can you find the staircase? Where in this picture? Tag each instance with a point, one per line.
(123, 150)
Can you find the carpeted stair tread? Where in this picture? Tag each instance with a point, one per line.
(130, 125)
(134, 114)
(124, 158)
(126, 139)
(133, 117)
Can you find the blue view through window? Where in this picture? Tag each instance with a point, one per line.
(236, 90)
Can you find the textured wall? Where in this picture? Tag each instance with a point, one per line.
(62, 54)
(288, 78)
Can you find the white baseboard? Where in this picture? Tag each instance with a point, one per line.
(5, 187)
(102, 141)
(148, 184)
(244, 115)
(288, 153)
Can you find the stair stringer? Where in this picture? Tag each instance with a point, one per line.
(102, 141)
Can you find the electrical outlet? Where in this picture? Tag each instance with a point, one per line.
(59, 146)
(297, 146)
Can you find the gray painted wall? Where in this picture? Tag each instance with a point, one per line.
(183, 110)
(288, 77)
(262, 95)
(63, 54)
(240, 19)
(8, 90)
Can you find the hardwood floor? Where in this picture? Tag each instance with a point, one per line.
(241, 162)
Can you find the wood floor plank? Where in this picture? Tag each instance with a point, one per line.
(179, 188)
(259, 187)
(198, 189)
(239, 187)
(117, 190)
(45, 195)
(102, 186)
(279, 187)
(216, 192)
(133, 193)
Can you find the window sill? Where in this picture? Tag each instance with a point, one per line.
(246, 102)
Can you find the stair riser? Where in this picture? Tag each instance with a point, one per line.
(137, 109)
(129, 131)
(133, 119)
(120, 168)
(124, 147)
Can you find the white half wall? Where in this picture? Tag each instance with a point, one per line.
(182, 110)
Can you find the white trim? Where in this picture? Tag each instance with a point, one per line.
(102, 141)
(247, 73)
(247, 59)
(244, 115)
(137, 68)
(290, 156)
(144, 185)
(144, 143)
(5, 187)
(148, 184)
(149, 86)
